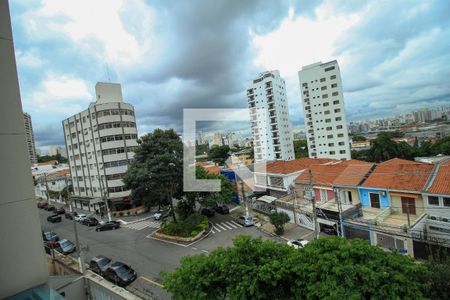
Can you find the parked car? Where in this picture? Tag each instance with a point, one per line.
(222, 209)
(108, 226)
(90, 221)
(60, 211)
(80, 217)
(54, 219)
(65, 246)
(208, 211)
(50, 208)
(71, 215)
(42, 205)
(99, 264)
(245, 220)
(120, 274)
(298, 244)
(50, 236)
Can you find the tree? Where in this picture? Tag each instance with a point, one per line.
(300, 148)
(56, 157)
(382, 149)
(440, 278)
(327, 268)
(219, 154)
(278, 219)
(442, 146)
(156, 174)
(358, 138)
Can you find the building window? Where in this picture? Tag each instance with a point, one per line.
(336, 102)
(326, 104)
(340, 135)
(433, 200)
(332, 153)
(342, 151)
(339, 127)
(327, 120)
(323, 88)
(374, 200)
(338, 118)
(341, 143)
(329, 128)
(446, 201)
(322, 79)
(324, 96)
(337, 110)
(329, 69)
(330, 144)
(334, 85)
(335, 94)
(333, 77)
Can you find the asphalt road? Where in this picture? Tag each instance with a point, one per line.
(146, 255)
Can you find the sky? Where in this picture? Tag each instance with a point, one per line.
(394, 56)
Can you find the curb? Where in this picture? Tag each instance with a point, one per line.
(234, 208)
(272, 234)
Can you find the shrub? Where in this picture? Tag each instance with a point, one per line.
(128, 213)
(278, 219)
(120, 214)
(194, 233)
(186, 227)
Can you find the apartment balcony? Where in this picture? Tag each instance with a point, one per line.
(272, 114)
(268, 85)
(273, 121)
(252, 105)
(274, 128)
(251, 99)
(269, 92)
(250, 91)
(271, 107)
(276, 142)
(275, 135)
(270, 100)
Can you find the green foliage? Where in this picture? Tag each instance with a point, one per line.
(156, 174)
(278, 219)
(219, 154)
(300, 148)
(439, 278)
(202, 149)
(442, 146)
(184, 209)
(328, 268)
(185, 227)
(47, 158)
(358, 138)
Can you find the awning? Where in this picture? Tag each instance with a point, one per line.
(267, 199)
(326, 222)
(415, 196)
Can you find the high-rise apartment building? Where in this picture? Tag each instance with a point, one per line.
(269, 116)
(30, 138)
(323, 104)
(100, 143)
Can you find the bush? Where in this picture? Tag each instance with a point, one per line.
(128, 213)
(185, 228)
(278, 219)
(194, 233)
(120, 214)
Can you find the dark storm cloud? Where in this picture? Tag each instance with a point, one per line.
(49, 135)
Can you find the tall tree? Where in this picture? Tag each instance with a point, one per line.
(382, 149)
(219, 154)
(156, 174)
(300, 148)
(327, 268)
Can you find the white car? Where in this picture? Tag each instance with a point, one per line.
(80, 217)
(157, 215)
(297, 244)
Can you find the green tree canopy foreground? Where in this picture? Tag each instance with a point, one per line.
(219, 154)
(278, 219)
(327, 268)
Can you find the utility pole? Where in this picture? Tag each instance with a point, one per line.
(243, 193)
(46, 188)
(294, 202)
(407, 213)
(105, 199)
(75, 230)
(341, 218)
(316, 226)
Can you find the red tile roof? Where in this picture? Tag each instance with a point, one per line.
(292, 166)
(63, 172)
(441, 182)
(49, 163)
(400, 174)
(342, 172)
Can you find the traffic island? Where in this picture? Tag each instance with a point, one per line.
(178, 239)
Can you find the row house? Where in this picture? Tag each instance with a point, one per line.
(52, 185)
(392, 204)
(333, 191)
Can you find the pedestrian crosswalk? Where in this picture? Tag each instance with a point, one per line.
(224, 226)
(142, 225)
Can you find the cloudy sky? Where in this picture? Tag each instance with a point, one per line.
(169, 55)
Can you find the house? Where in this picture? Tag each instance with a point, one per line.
(391, 199)
(53, 184)
(280, 175)
(433, 231)
(334, 193)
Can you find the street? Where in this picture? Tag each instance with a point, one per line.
(132, 245)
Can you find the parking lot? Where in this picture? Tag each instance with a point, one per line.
(133, 245)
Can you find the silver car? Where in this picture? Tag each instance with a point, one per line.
(246, 221)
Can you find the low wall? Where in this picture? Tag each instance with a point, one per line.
(163, 236)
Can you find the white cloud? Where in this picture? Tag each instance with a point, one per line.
(61, 94)
(29, 59)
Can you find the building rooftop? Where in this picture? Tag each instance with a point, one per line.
(400, 174)
(441, 181)
(292, 166)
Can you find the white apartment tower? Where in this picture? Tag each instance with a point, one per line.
(269, 116)
(323, 104)
(100, 144)
(30, 138)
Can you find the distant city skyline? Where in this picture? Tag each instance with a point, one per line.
(166, 59)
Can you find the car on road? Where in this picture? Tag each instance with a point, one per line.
(90, 221)
(42, 205)
(100, 264)
(54, 219)
(297, 244)
(157, 215)
(245, 221)
(120, 274)
(71, 215)
(108, 226)
(65, 246)
(80, 217)
(50, 236)
(208, 211)
(60, 211)
(50, 208)
(222, 209)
